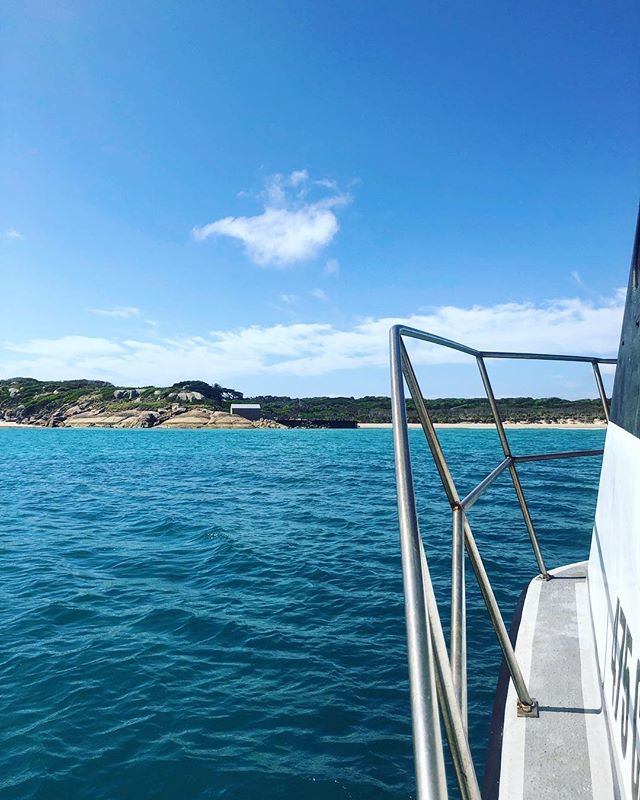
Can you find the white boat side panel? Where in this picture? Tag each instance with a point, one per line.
(614, 582)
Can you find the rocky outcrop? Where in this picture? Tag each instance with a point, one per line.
(205, 418)
(125, 394)
(102, 419)
(178, 417)
(97, 404)
(94, 418)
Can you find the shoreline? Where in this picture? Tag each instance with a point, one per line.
(489, 425)
(567, 425)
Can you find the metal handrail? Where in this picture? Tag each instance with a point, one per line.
(438, 682)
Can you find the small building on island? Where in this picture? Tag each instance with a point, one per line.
(247, 410)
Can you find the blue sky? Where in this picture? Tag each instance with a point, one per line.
(251, 193)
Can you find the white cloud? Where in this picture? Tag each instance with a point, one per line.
(298, 176)
(12, 233)
(289, 299)
(332, 267)
(66, 347)
(122, 312)
(303, 349)
(319, 294)
(291, 228)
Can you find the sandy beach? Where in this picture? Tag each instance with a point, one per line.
(523, 425)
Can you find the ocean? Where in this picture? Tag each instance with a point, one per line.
(219, 614)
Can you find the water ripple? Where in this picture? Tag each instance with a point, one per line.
(219, 614)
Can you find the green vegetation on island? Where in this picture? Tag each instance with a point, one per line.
(444, 410)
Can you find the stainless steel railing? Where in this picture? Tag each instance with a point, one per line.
(437, 676)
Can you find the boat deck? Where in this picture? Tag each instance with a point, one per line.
(565, 752)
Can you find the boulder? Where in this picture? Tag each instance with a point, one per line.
(220, 419)
(205, 418)
(189, 397)
(194, 418)
(56, 419)
(269, 423)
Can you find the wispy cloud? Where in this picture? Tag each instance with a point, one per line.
(319, 294)
(301, 349)
(576, 277)
(122, 312)
(293, 227)
(332, 267)
(12, 233)
(585, 287)
(289, 299)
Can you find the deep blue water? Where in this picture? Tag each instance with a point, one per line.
(218, 614)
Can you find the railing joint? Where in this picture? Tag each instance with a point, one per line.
(526, 710)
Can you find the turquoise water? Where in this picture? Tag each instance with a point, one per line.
(218, 614)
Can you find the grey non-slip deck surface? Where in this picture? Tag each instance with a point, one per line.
(565, 752)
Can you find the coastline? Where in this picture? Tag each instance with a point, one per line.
(567, 424)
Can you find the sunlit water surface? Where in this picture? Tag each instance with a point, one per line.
(219, 614)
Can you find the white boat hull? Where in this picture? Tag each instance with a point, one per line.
(614, 578)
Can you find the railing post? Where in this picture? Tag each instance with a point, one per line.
(512, 467)
(459, 615)
(427, 741)
(451, 717)
(429, 431)
(601, 391)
